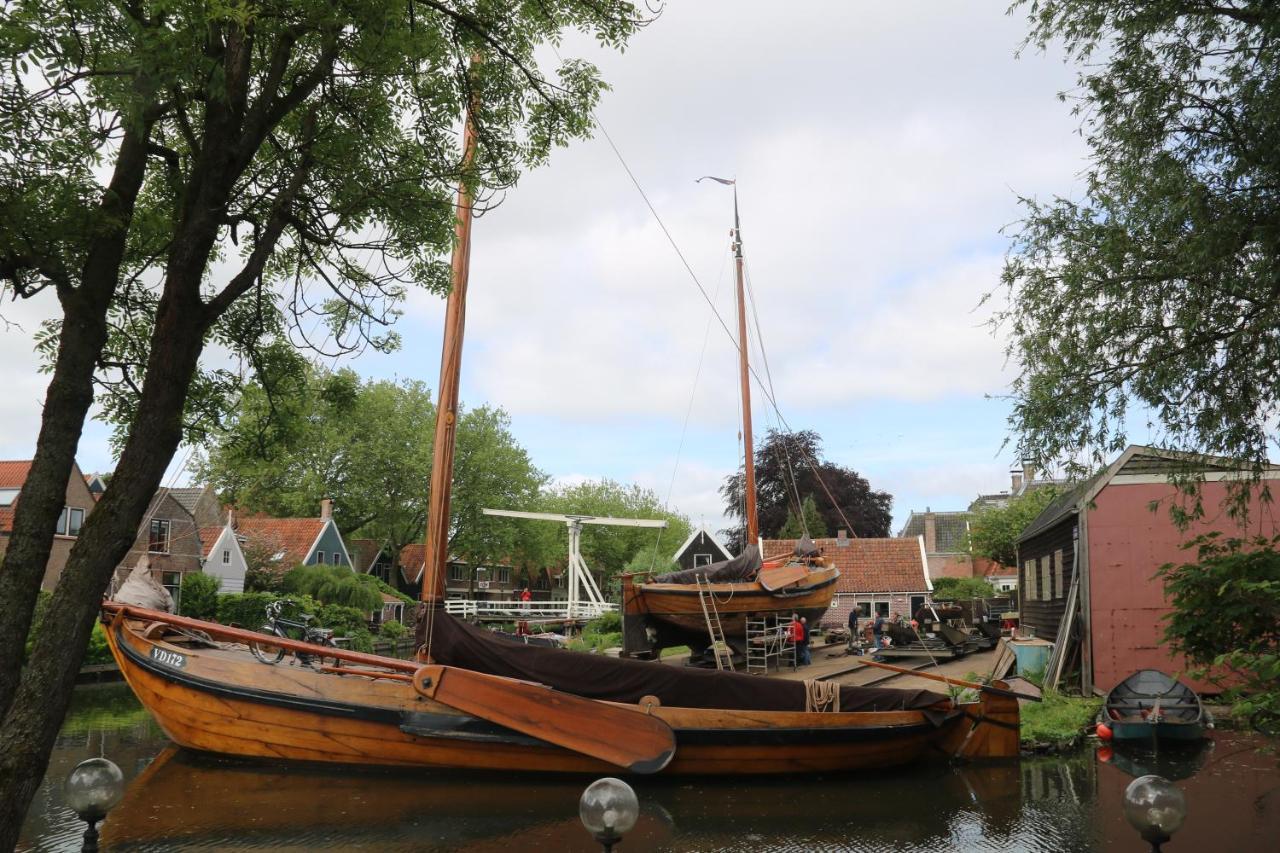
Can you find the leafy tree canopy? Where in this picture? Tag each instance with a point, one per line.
(994, 531)
(785, 466)
(367, 445)
(808, 523)
(1157, 290)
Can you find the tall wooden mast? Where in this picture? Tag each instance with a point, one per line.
(437, 547)
(749, 463)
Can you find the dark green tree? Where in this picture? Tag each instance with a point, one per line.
(994, 531)
(198, 596)
(789, 465)
(808, 523)
(180, 175)
(1152, 298)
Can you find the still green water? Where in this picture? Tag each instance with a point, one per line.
(182, 801)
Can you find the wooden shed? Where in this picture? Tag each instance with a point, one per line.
(1114, 531)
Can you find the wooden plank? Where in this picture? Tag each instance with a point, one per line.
(775, 579)
(617, 734)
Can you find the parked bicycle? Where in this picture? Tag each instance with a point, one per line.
(281, 627)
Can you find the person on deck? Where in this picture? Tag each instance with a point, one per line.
(853, 629)
(804, 642)
(797, 634)
(878, 631)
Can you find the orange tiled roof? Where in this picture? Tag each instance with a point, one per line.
(868, 565)
(13, 474)
(412, 558)
(292, 538)
(992, 569)
(208, 537)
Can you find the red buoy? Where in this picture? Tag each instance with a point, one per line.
(1104, 731)
(1104, 754)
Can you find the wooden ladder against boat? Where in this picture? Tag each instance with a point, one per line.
(719, 648)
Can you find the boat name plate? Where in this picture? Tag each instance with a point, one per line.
(168, 658)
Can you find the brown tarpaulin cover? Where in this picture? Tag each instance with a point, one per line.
(741, 568)
(455, 643)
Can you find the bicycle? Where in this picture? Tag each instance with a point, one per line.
(279, 626)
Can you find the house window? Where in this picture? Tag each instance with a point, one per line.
(1030, 570)
(70, 522)
(701, 560)
(864, 609)
(504, 575)
(226, 557)
(158, 540)
(172, 581)
(882, 608)
(1058, 569)
(457, 573)
(319, 558)
(1043, 579)
(8, 496)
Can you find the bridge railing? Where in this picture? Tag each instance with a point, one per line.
(503, 611)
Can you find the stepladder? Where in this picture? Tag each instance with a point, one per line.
(715, 631)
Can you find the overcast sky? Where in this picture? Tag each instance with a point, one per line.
(879, 148)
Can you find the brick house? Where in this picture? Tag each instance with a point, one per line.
(79, 504)
(170, 536)
(492, 583)
(881, 576)
(288, 542)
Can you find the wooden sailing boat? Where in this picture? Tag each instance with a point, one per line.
(476, 701)
(668, 610)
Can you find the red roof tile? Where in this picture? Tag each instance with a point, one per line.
(868, 565)
(208, 538)
(13, 474)
(292, 538)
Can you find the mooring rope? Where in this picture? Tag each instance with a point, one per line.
(821, 696)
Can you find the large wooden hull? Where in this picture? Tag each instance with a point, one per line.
(673, 612)
(224, 701)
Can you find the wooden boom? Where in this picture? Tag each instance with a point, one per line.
(957, 682)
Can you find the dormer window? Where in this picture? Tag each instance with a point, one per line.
(8, 496)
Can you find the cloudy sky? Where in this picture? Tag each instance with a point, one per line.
(879, 148)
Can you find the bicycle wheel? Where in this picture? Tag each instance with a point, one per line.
(264, 650)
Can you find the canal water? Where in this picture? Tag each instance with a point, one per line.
(181, 801)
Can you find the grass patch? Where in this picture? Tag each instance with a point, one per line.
(1058, 721)
(675, 650)
(598, 635)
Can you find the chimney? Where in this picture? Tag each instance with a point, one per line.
(326, 509)
(930, 532)
(1016, 477)
(231, 517)
(1028, 471)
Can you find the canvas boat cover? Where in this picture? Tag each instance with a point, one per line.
(456, 643)
(741, 568)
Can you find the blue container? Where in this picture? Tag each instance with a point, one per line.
(1032, 656)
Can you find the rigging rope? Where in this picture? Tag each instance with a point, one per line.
(821, 696)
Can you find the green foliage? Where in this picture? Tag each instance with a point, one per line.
(607, 623)
(1226, 615)
(98, 651)
(1156, 290)
(809, 522)
(345, 621)
(652, 558)
(246, 609)
(199, 596)
(1057, 720)
(392, 630)
(788, 464)
(957, 589)
(994, 531)
(335, 585)
(598, 635)
(336, 128)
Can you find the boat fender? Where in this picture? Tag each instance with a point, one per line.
(650, 702)
(1104, 731)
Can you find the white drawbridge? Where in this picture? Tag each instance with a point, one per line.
(585, 599)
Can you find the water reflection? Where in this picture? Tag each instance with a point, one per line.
(182, 801)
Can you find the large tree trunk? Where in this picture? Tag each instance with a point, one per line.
(31, 725)
(67, 402)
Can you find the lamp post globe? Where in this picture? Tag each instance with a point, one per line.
(94, 788)
(1155, 807)
(608, 809)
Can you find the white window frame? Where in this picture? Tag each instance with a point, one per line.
(698, 560)
(319, 558)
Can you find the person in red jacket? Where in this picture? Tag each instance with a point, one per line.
(797, 635)
(525, 598)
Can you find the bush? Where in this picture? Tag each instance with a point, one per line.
(248, 609)
(199, 596)
(393, 631)
(345, 621)
(98, 652)
(360, 640)
(335, 585)
(606, 624)
(959, 589)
